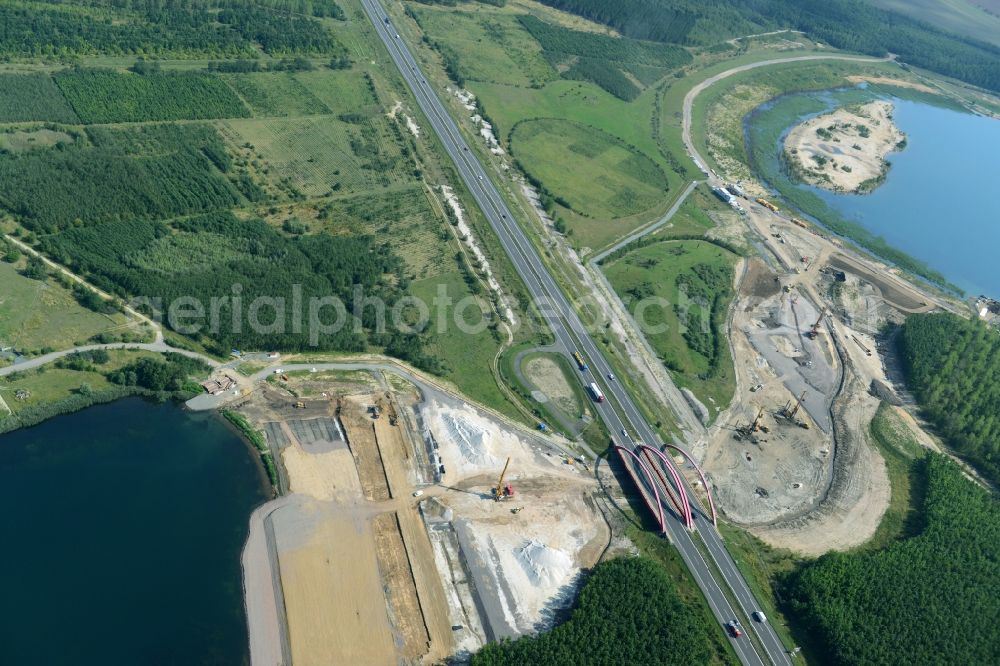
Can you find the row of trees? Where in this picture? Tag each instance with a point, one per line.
(953, 367)
(930, 599)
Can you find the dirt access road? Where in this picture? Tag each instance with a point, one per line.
(697, 89)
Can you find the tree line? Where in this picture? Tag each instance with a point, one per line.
(953, 367)
(168, 27)
(929, 599)
(852, 25)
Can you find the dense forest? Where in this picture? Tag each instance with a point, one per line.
(852, 25)
(203, 257)
(26, 97)
(107, 96)
(627, 613)
(929, 599)
(143, 172)
(602, 59)
(953, 367)
(167, 27)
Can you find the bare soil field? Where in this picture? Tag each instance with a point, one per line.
(369, 561)
(548, 377)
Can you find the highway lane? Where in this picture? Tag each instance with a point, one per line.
(559, 314)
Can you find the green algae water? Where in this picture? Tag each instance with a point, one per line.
(122, 528)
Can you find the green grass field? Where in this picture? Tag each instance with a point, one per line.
(342, 91)
(320, 155)
(275, 94)
(682, 328)
(405, 218)
(469, 357)
(50, 383)
(21, 141)
(598, 175)
(575, 400)
(505, 52)
(38, 315)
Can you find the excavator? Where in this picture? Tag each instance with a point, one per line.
(502, 492)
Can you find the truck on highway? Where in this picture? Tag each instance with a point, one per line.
(595, 392)
(580, 363)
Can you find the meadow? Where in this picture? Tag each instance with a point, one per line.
(275, 94)
(587, 170)
(42, 314)
(322, 155)
(695, 279)
(505, 53)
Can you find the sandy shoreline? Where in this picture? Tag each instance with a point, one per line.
(845, 150)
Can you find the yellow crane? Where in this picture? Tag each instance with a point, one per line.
(502, 492)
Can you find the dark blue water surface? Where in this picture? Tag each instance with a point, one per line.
(122, 527)
(940, 201)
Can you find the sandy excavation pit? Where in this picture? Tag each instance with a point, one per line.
(523, 556)
(434, 568)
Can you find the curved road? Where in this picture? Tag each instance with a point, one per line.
(696, 90)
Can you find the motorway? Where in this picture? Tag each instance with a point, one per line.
(619, 412)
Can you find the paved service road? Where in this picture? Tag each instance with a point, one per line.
(619, 411)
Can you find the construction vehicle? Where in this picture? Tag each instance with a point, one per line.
(502, 492)
(767, 204)
(749, 430)
(868, 352)
(299, 405)
(580, 363)
(789, 411)
(390, 409)
(815, 327)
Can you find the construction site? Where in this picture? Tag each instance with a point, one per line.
(790, 459)
(410, 526)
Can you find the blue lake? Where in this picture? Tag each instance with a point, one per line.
(939, 202)
(122, 531)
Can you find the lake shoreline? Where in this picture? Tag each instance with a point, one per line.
(845, 150)
(766, 161)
